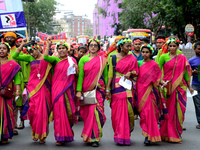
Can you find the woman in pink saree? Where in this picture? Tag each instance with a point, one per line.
(39, 88)
(148, 96)
(122, 99)
(171, 128)
(8, 72)
(63, 92)
(89, 73)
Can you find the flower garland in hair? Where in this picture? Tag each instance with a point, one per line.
(29, 48)
(173, 40)
(62, 43)
(6, 44)
(122, 41)
(96, 40)
(147, 45)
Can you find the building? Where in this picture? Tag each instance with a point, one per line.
(79, 25)
(73, 25)
(104, 26)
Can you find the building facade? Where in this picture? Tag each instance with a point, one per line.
(104, 26)
(79, 26)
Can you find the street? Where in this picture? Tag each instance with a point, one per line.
(191, 137)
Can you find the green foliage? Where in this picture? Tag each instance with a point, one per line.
(88, 32)
(174, 14)
(39, 15)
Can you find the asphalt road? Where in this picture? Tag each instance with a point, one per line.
(191, 137)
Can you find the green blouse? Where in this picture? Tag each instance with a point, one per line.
(159, 52)
(51, 59)
(81, 64)
(165, 58)
(140, 63)
(110, 71)
(24, 57)
(25, 66)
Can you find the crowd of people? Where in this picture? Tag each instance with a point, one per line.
(62, 85)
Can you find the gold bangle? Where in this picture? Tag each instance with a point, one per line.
(17, 90)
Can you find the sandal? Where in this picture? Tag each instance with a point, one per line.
(42, 141)
(198, 126)
(15, 132)
(184, 128)
(34, 139)
(59, 143)
(4, 141)
(21, 125)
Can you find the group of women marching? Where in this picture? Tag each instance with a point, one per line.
(58, 87)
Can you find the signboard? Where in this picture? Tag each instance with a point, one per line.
(189, 29)
(12, 15)
(139, 34)
(55, 38)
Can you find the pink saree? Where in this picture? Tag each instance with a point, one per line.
(122, 102)
(39, 90)
(93, 115)
(63, 99)
(7, 121)
(148, 99)
(171, 128)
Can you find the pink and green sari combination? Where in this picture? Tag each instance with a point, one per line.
(63, 99)
(7, 121)
(122, 102)
(93, 115)
(39, 93)
(149, 100)
(171, 128)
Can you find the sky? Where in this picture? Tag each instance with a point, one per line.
(79, 7)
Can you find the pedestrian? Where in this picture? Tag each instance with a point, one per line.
(63, 92)
(93, 74)
(137, 53)
(144, 41)
(71, 53)
(177, 73)
(11, 37)
(112, 50)
(136, 49)
(82, 50)
(39, 88)
(148, 96)
(164, 48)
(195, 64)
(181, 46)
(188, 45)
(9, 71)
(122, 99)
(160, 43)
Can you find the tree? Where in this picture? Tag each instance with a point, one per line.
(88, 32)
(39, 14)
(154, 14)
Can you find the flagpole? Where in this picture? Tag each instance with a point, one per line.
(27, 35)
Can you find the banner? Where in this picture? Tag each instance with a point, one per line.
(55, 38)
(11, 15)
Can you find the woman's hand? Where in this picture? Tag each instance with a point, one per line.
(108, 95)
(23, 42)
(49, 42)
(76, 68)
(78, 95)
(127, 75)
(162, 82)
(195, 72)
(18, 93)
(134, 73)
(191, 90)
